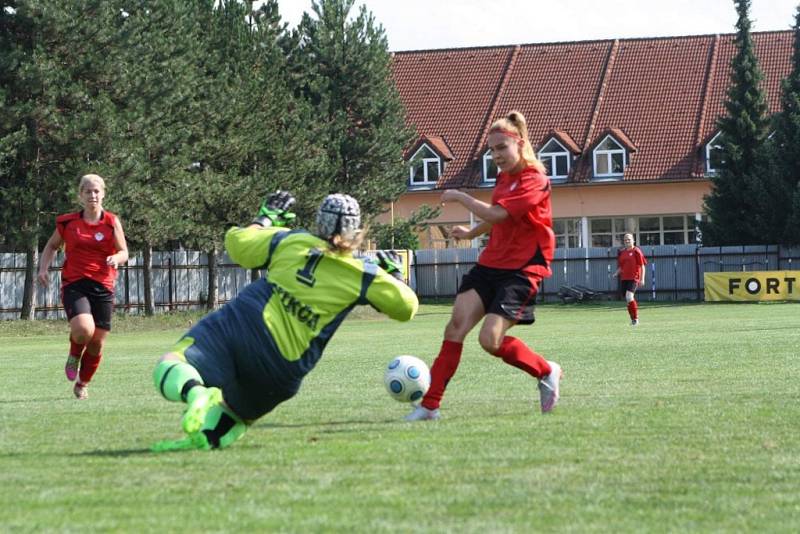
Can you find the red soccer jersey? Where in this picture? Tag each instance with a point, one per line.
(630, 262)
(525, 240)
(87, 246)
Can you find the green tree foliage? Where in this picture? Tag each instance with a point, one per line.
(738, 183)
(247, 138)
(403, 233)
(783, 199)
(51, 73)
(340, 65)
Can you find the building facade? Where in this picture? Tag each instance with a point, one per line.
(626, 128)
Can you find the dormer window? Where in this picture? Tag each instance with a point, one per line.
(426, 167)
(556, 160)
(609, 159)
(489, 175)
(713, 155)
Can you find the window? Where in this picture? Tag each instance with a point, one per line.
(555, 159)
(426, 167)
(667, 230)
(489, 168)
(568, 233)
(609, 159)
(607, 232)
(649, 231)
(713, 155)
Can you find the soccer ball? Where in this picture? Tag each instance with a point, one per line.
(407, 378)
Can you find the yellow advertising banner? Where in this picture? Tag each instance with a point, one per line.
(752, 286)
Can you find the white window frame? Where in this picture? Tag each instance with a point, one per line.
(425, 182)
(608, 154)
(487, 158)
(711, 145)
(552, 157)
(576, 232)
(618, 229)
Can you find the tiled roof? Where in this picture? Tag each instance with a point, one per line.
(661, 96)
(449, 93)
(439, 145)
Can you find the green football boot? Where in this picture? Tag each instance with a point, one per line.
(201, 400)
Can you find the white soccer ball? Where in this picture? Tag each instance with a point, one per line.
(407, 378)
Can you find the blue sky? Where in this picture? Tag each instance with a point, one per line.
(424, 24)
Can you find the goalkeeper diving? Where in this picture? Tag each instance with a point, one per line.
(241, 361)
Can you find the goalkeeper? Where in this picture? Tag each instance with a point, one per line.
(239, 362)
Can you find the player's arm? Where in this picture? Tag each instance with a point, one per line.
(462, 232)
(388, 293)
(121, 255)
(250, 246)
(392, 297)
(489, 213)
(53, 244)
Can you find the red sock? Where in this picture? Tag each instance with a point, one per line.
(76, 349)
(633, 310)
(514, 352)
(442, 370)
(89, 364)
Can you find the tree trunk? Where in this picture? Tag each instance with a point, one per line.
(213, 288)
(147, 276)
(28, 312)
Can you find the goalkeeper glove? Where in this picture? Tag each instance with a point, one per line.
(274, 211)
(390, 262)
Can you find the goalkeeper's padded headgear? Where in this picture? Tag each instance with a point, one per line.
(338, 215)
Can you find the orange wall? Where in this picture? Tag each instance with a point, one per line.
(572, 201)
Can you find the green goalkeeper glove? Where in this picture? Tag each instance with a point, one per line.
(274, 211)
(390, 261)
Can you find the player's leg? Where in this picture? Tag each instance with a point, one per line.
(179, 381)
(102, 306)
(81, 326)
(220, 429)
(467, 312)
(630, 299)
(514, 304)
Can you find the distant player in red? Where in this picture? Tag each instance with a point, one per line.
(631, 272)
(501, 288)
(94, 247)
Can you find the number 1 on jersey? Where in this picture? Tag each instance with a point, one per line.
(306, 274)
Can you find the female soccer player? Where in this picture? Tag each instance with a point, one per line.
(238, 363)
(631, 272)
(94, 248)
(501, 288)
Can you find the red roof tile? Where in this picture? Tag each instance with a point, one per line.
(661, 96)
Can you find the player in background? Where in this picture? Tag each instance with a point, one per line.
(238, 363)
(94, 248)
(631, 272)
(501, 288)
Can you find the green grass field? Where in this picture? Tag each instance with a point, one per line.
(688, 423)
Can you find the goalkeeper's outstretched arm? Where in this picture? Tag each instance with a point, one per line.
(249, 246)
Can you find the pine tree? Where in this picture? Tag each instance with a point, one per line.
(152, 90)
(50, 121)
(246, 140)
(341, 67)
(743, 130)
(784, 200)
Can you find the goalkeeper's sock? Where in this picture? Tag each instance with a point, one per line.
(442, 370)
(221, 428)
(89, 365)
(176, 381)
(515, 352)
(633, 310)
